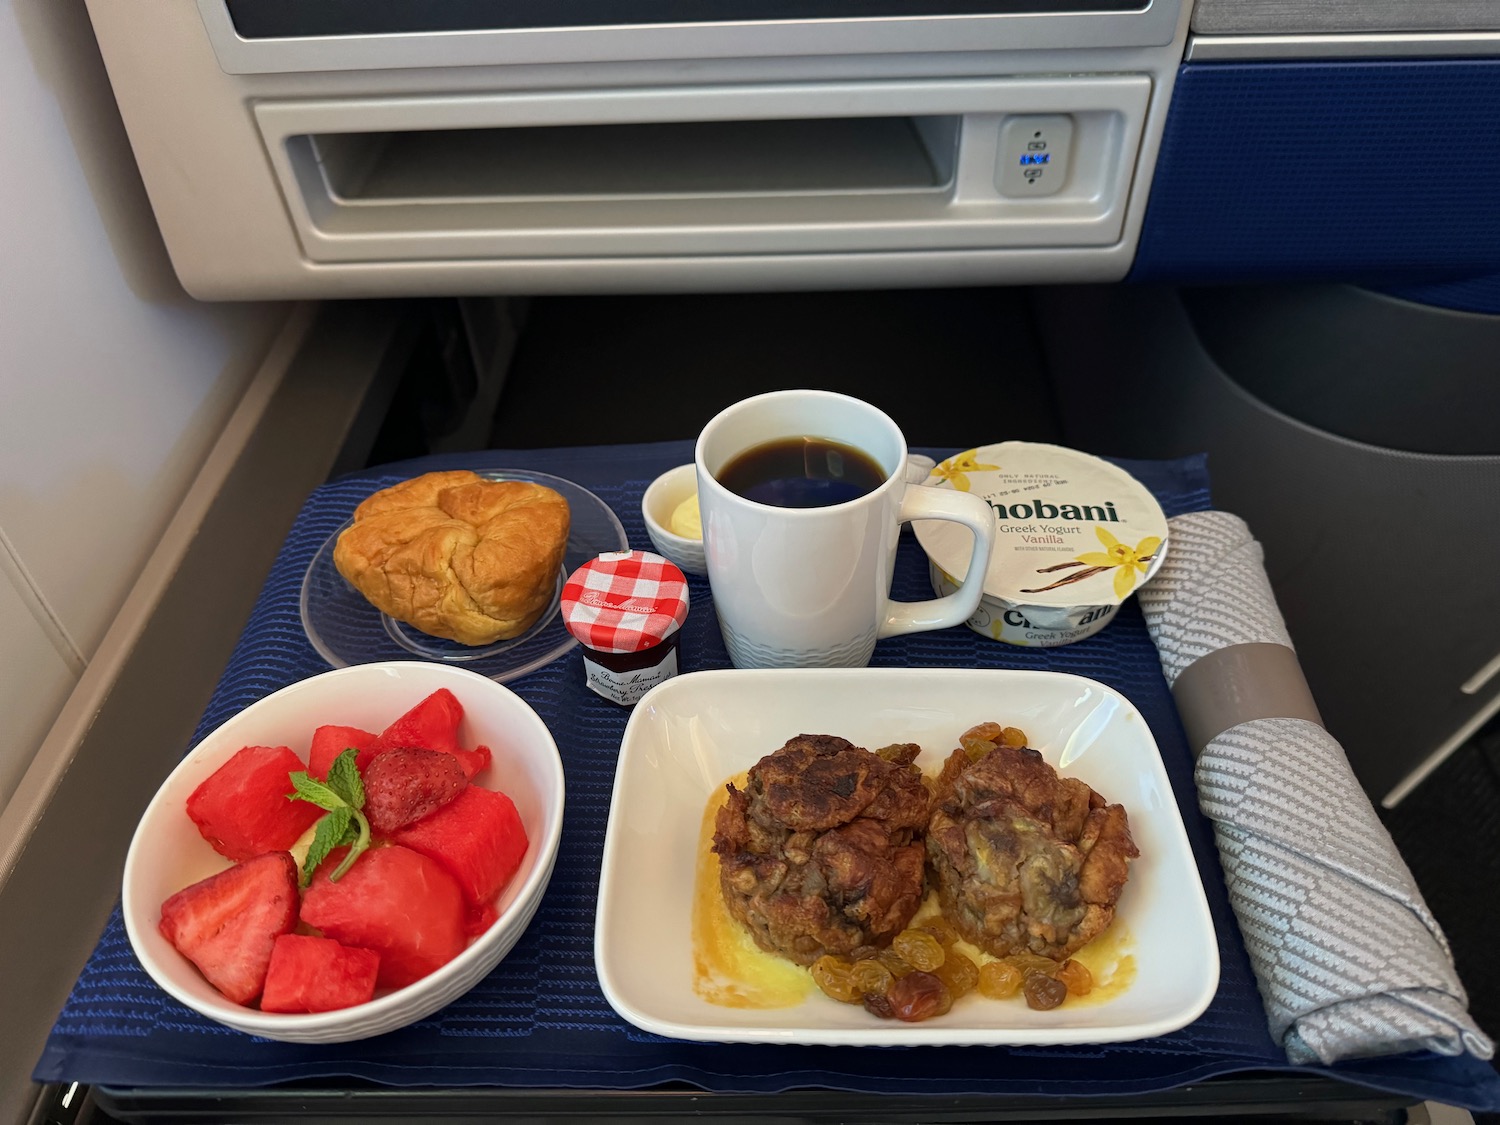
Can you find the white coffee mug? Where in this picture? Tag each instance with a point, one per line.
(810, 587)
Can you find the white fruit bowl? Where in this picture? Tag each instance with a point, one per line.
(167, 853)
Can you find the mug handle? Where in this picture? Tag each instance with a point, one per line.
(921, 503)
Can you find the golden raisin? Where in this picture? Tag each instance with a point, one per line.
(940, 928)
(870, 976)
(833, 975)
(982, 732)
(919, 996)
(1043, 992)
(958, 973)
(1013, 737)
(999, 980)
(980, 740)
(918, 949)
(893, 961)
(1033, 963)
(1076, 976)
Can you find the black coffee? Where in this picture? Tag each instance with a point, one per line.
(801, 472)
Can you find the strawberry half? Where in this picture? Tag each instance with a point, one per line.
(403, 786)
(228, 924)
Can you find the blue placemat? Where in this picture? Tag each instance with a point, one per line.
(540, 1019)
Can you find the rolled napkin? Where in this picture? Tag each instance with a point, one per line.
(1349, 960)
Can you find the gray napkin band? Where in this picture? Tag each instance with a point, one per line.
(1238, 684)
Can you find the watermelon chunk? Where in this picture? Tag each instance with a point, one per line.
(314, 974)
(473, 760)
(477, 919)
(328, 742)
(477, 836)
(228, 924)
(404, 906)
(430, 725)
(242, 808)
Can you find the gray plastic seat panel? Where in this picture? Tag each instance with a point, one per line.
(1287, 17)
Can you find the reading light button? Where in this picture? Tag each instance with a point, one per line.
(1034, 152)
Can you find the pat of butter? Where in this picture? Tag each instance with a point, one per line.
(686, 520)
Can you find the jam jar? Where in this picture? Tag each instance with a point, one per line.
(626, 609)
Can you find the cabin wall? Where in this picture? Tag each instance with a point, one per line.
(113, 382)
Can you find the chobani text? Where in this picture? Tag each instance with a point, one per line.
(1041, 510)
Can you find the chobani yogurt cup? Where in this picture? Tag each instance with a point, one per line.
(1074, 537)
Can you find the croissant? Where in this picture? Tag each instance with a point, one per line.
(458, 556)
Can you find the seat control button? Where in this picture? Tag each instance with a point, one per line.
(1034, 154)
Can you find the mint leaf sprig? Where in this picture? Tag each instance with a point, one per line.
(343, 796)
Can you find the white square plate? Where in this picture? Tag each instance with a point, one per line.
(692, 733)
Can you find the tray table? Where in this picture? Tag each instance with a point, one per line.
(539, 1025)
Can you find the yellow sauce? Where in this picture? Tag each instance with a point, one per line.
(730, 970)
(1113, 967)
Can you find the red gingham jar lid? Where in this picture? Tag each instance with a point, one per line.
(625, 601)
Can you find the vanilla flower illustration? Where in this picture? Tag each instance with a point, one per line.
(1124, 560)
(955, 470)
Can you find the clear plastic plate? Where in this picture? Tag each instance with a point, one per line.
(346, 629)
